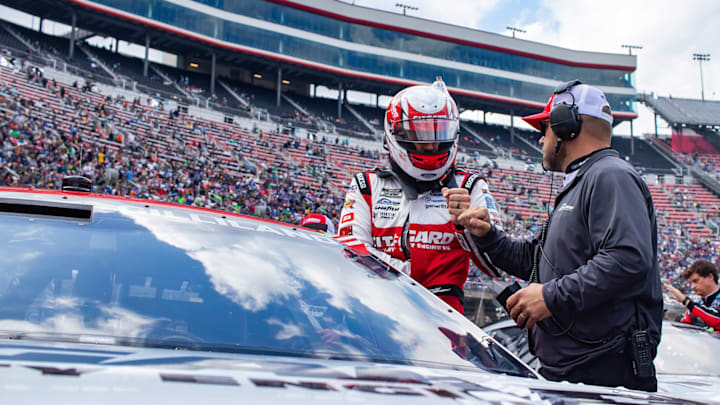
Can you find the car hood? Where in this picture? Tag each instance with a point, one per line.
(43, 372)
(702, 388)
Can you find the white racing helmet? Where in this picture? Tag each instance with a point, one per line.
(421, 115)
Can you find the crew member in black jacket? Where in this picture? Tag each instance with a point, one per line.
(593, 307)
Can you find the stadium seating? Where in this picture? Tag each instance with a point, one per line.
(645, 156)
(685, 111)
(499, 136)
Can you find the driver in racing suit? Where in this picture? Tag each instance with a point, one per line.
(399, 212)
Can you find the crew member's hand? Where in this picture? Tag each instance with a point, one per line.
(675, 294)
(527, 306)
(458, 200)
(476, 220)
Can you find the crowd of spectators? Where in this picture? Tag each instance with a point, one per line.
(130, 148)
(105, 141)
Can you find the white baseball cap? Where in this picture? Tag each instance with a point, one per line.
(589, 100)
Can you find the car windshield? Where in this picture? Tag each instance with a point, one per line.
(164, 276)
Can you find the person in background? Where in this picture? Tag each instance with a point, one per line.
(703, 278)
(318, 222)
(399, 213)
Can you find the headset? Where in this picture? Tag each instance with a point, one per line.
(565, 119)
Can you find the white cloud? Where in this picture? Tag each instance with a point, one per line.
(669, 31)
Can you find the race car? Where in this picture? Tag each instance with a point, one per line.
(115, 300)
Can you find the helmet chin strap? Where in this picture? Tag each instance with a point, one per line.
(412, 186)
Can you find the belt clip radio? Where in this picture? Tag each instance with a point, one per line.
(641, 346)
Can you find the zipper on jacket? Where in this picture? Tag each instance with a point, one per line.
(403, 237)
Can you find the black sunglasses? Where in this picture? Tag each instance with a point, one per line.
(566, 86)
(544, 124)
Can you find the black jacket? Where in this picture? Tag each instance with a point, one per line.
(598, 266)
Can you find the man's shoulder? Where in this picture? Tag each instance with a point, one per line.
(368, 179)
(611, 166)
(469, 180)
(715, 300)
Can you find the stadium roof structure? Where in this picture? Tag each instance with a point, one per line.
(502, 74)
(679, 111)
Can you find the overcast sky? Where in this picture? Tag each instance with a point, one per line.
(669, 31)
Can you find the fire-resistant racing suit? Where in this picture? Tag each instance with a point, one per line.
(400, 227)
(706, 312)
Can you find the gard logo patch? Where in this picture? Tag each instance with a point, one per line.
(430, 240)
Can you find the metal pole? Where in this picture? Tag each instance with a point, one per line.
(340, 99)
(212, 76)
(700, 57)
(147, 53)
(72, 35)
(656, 133)
(42, 20)
(702, 84)
(279, 87)
(116, 45)
(512, 127)
(632, 140)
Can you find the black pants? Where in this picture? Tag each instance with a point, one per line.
(611, 370)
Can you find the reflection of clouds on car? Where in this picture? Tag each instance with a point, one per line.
(111, 322)
(254, 290)
(184, 305)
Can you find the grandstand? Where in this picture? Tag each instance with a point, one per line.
(245, 130)
(695, 142)
(684, 112)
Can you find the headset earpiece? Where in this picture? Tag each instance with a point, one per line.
(565, 121)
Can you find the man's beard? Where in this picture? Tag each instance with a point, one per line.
(553, 162)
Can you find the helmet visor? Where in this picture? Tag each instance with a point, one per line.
(426, 130)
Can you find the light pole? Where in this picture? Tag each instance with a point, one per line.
(406, 7)
(700, 57)
(631, 47)
(514, 30)
(632, 139)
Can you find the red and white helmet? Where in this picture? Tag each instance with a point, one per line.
(419, 116)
